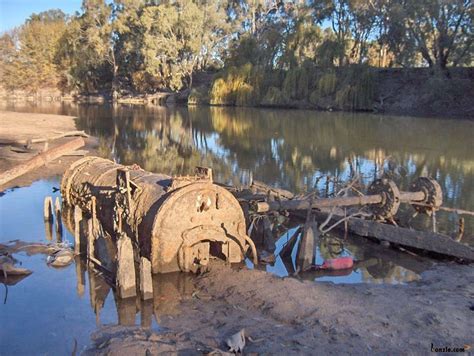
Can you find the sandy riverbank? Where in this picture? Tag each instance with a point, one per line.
(289, 316)
(18, 128)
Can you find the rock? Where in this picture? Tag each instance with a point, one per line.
(61, 258)
(7, 267)
(236, 342)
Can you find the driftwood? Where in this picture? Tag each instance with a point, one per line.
(421, 240)
(40, 160)
(41, 140)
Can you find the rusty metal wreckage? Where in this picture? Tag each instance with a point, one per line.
(181, 223)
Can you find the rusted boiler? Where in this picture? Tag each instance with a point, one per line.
(178, 223)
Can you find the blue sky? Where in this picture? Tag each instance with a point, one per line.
(14, 12)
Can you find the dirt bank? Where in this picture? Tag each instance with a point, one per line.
(18, 129)
(289, 316)
(397, 91)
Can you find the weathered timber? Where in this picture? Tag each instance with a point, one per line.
(58, 221)
(77, 229)
(146, 283)
(41, 159)
(260, 187)
(305, 255)
(125, 268)
(45, 139)
(48, 209)
(421, 240)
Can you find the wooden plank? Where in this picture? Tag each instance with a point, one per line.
(41, 160)
(422, 240)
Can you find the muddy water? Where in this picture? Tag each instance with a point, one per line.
(57, 309)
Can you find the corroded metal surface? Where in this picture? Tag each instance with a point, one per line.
(433, 195)
(178, 223)
(390, 195)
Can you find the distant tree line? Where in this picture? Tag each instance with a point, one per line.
(138, 46)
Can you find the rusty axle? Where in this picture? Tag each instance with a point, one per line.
(384, 199)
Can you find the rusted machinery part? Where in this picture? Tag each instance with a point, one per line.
(433, 198)
(253, 248)
(160, 212)
(390, 194)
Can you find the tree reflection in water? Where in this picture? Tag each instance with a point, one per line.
(292, 149)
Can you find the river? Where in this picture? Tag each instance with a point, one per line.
(291, 149)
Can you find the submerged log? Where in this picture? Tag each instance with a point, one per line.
(41, 160)
(421, 240)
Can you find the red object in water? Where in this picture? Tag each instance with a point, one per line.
(336, 264)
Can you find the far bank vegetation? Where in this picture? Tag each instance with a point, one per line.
(326, 54)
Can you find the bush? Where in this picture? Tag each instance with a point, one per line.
(274, 97)
(199, 96)
(239, 86)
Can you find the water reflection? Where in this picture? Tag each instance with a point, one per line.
(168, 292)
(288, 148)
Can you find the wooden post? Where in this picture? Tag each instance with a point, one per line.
(48, 209)
(90, 240)
(126, 282)
(305, 255)
(59, 223)
(146, 283)
(77, 229)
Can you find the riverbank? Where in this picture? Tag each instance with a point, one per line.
(396, 91)
(18, 135)
(417, 92)
(289, 316)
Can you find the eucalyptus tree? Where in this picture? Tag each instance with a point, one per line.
(181, 36)
(28, 53)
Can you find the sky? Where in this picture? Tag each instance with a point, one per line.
(13, 13)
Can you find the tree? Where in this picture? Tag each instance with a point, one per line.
(179, 37)
(440, 30)
(28, 54)
(89, 43)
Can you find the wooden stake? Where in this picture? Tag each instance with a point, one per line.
(126, 282)
(59, 222)
(48, 209)
(146, 283)
(305, 255)
(77, 229)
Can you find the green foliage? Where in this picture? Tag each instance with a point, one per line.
(296, 83)
(199, 96)
(327, 83)
(274, 97)
(261, 47)
(239, 86)
(357, 90)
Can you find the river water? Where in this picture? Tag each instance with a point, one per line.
(56, 310)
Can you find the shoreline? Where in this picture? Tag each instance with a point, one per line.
(287, 315)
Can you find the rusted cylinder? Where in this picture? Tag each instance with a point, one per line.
(179, 223)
